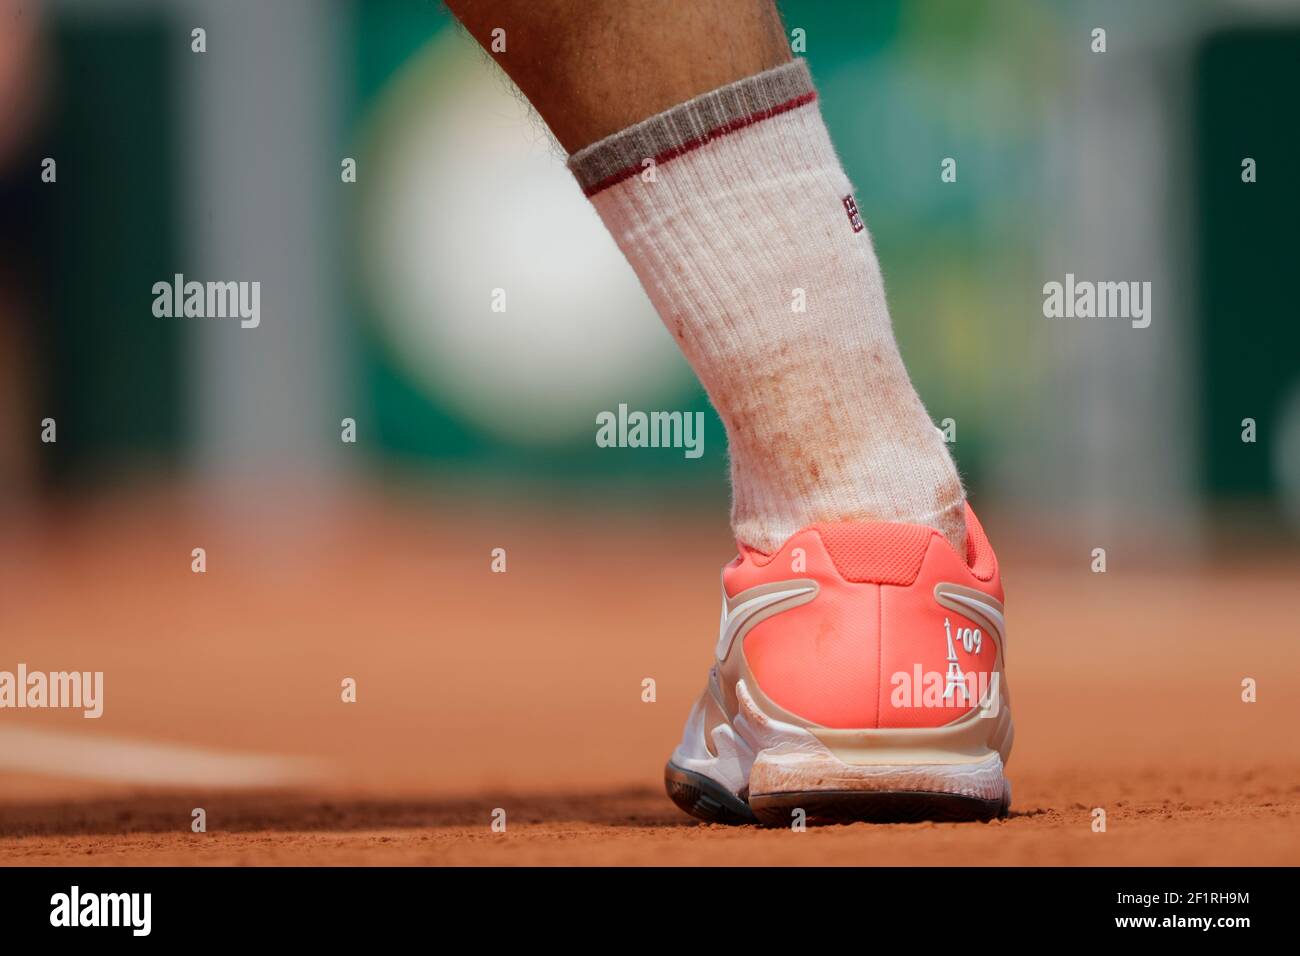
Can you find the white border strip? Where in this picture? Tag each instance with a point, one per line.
(143, 762)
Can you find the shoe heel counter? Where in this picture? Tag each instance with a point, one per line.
(941, 644)
(818, 663)
(877, 647)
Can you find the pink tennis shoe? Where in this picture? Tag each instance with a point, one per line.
(858, 676)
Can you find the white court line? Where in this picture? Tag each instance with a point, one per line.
(144, 762)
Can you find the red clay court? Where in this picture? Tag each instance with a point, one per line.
(522, 691)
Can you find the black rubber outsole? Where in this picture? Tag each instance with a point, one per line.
(709, 801)
(705, 799)
(884, 806)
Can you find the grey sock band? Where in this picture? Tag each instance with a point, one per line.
(692, 124)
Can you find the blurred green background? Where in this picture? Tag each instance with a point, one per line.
(225, 165)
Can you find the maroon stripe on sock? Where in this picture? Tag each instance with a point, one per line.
(693, 144)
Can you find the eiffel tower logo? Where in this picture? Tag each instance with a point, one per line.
(956, 680)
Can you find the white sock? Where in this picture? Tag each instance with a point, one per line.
(745, 204)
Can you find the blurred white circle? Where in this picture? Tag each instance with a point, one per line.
(465, 193)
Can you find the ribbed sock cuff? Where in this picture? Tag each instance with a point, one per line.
(692, 124)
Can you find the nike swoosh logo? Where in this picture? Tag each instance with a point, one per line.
(739, 617)
(986, 611)
(990, 613)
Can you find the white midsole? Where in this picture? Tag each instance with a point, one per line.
(758, 755)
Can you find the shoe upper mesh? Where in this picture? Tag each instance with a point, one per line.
(876, 553)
